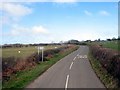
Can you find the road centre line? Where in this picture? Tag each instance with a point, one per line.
(66, 84)
(71, 65)
(74, 58)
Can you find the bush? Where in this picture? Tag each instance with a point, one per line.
(109, 59)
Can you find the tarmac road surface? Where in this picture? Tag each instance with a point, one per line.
(73, 71)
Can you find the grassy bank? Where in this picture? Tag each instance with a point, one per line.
(23, 78)
(106, 78)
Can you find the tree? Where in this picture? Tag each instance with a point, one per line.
(99, 40)
(114, 39)
(108, 39)
(88, 41)
(118, 37)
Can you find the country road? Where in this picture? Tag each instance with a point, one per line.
(73, 71)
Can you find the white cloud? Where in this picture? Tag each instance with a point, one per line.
(39, 29)
(34, 34)
(18, 30)
(64, 1)
(104, 13)
(14, 9)
(13, 12)
(87, 13)
(21, 31)
(59, 0)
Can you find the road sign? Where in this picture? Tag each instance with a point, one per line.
(41, 48)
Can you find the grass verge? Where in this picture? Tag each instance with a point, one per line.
(108, 80)
(23, 78)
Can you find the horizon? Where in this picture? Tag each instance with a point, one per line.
(46, 22)
(58, 42)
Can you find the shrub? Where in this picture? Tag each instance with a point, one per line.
(109, 59)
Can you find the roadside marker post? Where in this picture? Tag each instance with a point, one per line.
(38, 51)
(41, 48)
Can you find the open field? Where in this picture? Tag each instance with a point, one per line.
(109, 44)
(24, 51)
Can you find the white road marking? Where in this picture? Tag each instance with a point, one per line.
(82, 56)
(74, 58)
(71, 65)
(85, 56)
(66, 84)
(77, 54)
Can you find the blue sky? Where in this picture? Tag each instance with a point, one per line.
(44, 22)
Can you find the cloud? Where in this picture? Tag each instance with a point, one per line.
(34, 34)
(81, 35)
(18, 30)
(60, 0)
(64, 1)
(21, 31)
(104, 13)
(87, 13)
(14, 9)
(39, 29)
(13, 12)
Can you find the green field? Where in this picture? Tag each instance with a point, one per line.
(109, 44)
(24, 51)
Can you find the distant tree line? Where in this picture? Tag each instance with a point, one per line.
(98, 40)
(114, 39)
(76, 42)
(27, 45)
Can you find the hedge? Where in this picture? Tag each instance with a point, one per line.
(109, 59)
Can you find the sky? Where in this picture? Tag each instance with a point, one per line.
(46, 22)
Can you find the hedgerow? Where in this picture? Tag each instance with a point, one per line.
(109, 59)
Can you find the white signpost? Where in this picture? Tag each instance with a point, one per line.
(40, 48)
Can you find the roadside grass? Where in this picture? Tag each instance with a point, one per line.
(23, 78)
(108, 80)
(24, 51)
